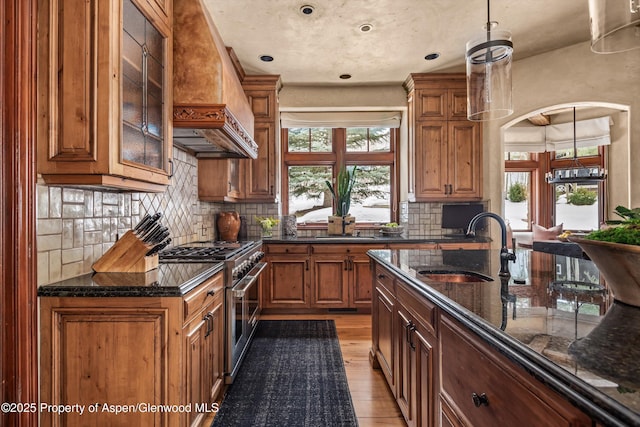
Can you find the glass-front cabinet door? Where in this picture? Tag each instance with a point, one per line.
(104, 93)
(143, 74)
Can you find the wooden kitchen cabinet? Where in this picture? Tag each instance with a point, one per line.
(130, 351)
(262, 92)
(319, 276)
(219, 180)
(104, 93)
(204, 348)
(416, 358)
(288, 276)
(248, 180)
(383, 333)
(445, 146)
(482, 388)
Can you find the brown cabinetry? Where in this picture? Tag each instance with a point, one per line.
(482, 388)
(383, 332)
(132, 351)
(318, 276)
(416, 347)
(262, 92)
(219, 180)
(248, 180)
(104, 96)
(447, 148)
(288, 276)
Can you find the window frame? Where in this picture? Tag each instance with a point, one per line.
(340, 156)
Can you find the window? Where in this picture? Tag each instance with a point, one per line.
(517, 204)
(312, 156)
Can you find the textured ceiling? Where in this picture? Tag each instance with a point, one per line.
(318, 48)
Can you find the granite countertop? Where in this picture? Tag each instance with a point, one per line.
(552, 317)
(168, 280)
(379, 238)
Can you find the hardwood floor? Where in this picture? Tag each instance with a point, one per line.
(373, 402)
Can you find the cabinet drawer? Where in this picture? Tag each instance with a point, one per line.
(454, 246)
(423, 310)
(286, 249)
(471, 373)
(385, 280)
(333, 249)
(195, 300)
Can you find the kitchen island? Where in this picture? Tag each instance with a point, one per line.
(133, 348)
(460, 346)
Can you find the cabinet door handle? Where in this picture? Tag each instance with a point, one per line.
(306, 265)
(207, 318)
(346, 265)
(271, 190)
(412, 329)
(171, 168)
(480, 399)
(446, 189)
(350, 264)
(229, 186)
(450, 188)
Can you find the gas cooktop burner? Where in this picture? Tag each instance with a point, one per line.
(205, 251)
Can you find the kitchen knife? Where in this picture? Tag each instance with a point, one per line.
(150, 229)
(157, 248)
(142, 223)
(153, 236)
(149, 225)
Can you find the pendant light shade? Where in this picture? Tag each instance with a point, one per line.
(615, 25)
(489, 58)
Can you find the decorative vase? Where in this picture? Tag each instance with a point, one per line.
(610, 349)
(228, 226)
(619, 265)
(267, 232)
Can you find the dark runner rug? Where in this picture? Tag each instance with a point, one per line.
(292, 375)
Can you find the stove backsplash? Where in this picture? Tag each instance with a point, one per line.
(76, 226)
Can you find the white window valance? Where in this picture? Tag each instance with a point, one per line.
(537, 139)
(340, 119)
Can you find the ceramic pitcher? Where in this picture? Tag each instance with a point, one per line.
(228, 226)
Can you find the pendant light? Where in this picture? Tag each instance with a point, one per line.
(578, 174)
(615, 25)
(489, 58)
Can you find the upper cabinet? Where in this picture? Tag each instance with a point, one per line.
(445, 146)
(105, 93)
(260, 174)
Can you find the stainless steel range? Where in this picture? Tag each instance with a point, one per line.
(242, 268)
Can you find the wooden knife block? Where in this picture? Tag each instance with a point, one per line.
(127, 255)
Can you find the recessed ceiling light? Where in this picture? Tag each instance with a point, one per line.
(307, 9)
(345, 76)
(266, 58)
(365, 28)
(432, 56)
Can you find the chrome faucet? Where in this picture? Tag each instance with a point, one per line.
(505, 255)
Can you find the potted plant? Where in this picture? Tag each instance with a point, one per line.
(341, 222)
(616, 252)
(267, 224)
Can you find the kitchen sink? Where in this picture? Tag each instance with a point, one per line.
(454, 276)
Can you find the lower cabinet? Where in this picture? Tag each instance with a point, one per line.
(442, 374)
(318, 276)
(132, 351)
(204, 354)
(416, 360)
(482, 388)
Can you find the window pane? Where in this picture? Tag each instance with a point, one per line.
(517, 206)
(517, 155)
(371, 196)
(582, 152)
(309, 140)
(368, 139)
(577, 206)
(309, 197)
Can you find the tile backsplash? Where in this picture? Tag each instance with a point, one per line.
(75, 226)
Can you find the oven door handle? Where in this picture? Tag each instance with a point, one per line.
(248, 280)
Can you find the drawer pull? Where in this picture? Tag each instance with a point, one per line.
(381, 276)
(480, 399)
(211, 292)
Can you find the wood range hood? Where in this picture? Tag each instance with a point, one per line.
(211, 114)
